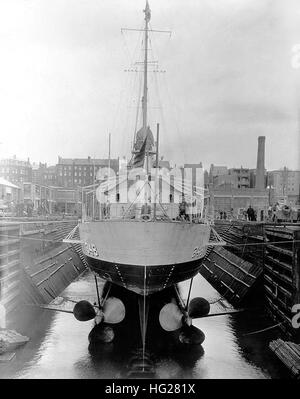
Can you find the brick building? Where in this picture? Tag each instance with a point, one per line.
(235, 177)
(44, 175)
(285, 183)
(234, 201)
(15, 170)
(81, 172)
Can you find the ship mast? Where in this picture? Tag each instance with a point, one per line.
(145, 92)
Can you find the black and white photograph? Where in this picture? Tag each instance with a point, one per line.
(149, 192)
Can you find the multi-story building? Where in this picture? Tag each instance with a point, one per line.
(234, 177)
(240, 177)
(39, 198)
(16, 171)
(9, 194)
(235, 201)
(81, 172)
(285, 184)
(68, 201)
(44, 175)
(215, 171)
(49, 200)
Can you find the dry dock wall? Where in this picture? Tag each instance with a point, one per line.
(35, 265)
(236, 270)
(273, 250)
(282, 274)
(9, 265)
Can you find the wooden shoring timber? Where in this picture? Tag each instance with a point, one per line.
(235, 274)
(296, 267)
(281, 273)
(9, 265)
(238, 234)
(288, 353)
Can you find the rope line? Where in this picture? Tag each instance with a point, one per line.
(264, 329)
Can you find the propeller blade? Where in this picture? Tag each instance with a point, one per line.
(84, 311)
(198, 307)
(170, 317)
(103, 334)
(191, 335)
(113, 310)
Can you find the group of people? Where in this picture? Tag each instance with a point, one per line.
(249, 214)
(223, 215)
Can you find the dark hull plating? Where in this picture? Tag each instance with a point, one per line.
(144, 279)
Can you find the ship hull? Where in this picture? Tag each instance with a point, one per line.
(144, 257)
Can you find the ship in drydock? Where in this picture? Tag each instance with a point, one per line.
(142, 242)
(142, 231)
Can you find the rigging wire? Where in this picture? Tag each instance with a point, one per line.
(141, 191)
(130, 85)
(164, 212)
(137, 111)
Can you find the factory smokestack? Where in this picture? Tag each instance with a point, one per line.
(260, 167)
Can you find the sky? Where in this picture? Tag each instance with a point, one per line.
(232, 74)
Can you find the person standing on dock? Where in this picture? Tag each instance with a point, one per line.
(251, 214)
(182, 209)
(107, 209)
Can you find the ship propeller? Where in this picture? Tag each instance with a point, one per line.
(198, 307)
(171, 317)
(112, 312)
(84, 311)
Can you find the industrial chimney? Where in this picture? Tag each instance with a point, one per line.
(260, 167)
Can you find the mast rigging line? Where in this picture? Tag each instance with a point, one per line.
(130, 84)
(141, 191)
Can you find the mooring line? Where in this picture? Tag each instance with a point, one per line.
(265, 329)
